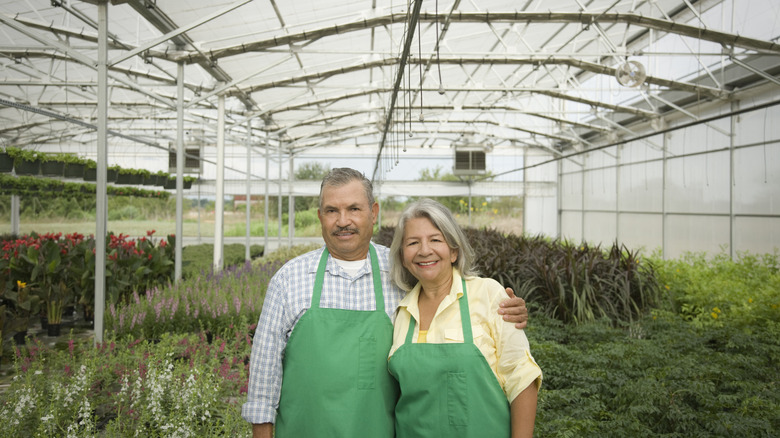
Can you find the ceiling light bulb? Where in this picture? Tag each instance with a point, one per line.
(422, 118)
(441, 88)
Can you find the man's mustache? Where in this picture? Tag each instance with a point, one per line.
(345, 230)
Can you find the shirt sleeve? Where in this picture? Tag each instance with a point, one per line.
(269, 342)
(516, 368)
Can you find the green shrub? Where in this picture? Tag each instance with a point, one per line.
(657, 378)
(718, 291)
(128, 212)
(199, 259)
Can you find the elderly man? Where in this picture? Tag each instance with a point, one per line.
(319, 358)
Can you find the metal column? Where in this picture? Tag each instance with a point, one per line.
(247, 255)
(179, 169)
(219, 207)
(101, 204)
(290, 205)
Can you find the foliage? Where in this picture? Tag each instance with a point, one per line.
(199, 259)
(179, 386)
(658, 377)
(309, 171)
(52, 188)
(211, 302)
(573, 283)
(722, 292)
(61, 269)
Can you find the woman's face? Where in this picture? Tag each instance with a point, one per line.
(425, 252)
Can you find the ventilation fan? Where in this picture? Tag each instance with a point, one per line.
(630, 74)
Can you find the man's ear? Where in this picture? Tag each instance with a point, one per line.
(375, 211)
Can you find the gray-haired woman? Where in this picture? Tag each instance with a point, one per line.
(462, 370)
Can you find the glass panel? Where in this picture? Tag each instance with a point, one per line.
(696, 233)
(757, 235)
(600, 228)
(571, 226)
(641, 231)
(699, 184)
(641, 187)
(757, 175)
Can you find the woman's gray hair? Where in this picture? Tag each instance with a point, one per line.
(441, 218)
(344, 175)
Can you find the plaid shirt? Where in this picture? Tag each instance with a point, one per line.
(288, 297)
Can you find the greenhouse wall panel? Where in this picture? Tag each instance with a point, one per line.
(641, 231)
(641, 187)
(698, 184)
(757, 180)
(689, 233)
(540, 216)
(600, 189)
(757, 235)
(571, 226)
(600, 228)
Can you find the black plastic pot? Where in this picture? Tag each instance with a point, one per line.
(24, 167)
(53, 168)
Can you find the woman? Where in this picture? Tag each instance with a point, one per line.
(463, 372)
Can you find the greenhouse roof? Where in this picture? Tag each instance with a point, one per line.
(377, 77)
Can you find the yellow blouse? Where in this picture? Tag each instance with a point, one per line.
(505, 348)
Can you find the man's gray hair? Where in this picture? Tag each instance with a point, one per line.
(344, 175)
(444, 221)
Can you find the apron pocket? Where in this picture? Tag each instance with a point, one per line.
(366, 368)
(457, 399)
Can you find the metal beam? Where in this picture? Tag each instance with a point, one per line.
(411, 25)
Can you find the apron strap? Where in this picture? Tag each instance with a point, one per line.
(465, 319)
(376, 274)
(319, 279)
(378, 297)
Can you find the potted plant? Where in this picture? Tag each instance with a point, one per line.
(90, 170)
(147, 177)
(23, 304)
(188, 180)
(162, 178)
(112, 173)
(51, 274)
(6, 162)
(74, 166)
(26, 162)
(52, 165)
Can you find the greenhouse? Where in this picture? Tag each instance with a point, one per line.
(161, 159)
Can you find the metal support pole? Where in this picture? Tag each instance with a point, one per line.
(101, 204)
(247, 254)
(618, 154)
(219, 207)
(279, 201)
(265, 207)
(732, 180)
(665, 164)
(179, 170)
(470, 182)
(291, 205)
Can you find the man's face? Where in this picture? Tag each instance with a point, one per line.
(347, 220)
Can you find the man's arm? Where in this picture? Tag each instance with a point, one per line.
(514, 310)
(265, 365)
(264, 430)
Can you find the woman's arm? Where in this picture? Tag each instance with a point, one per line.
(523, 413)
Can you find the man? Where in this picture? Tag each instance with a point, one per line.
(340, 302)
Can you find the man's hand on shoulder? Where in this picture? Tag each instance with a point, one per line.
(513, 310)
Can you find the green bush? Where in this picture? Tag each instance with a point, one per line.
(720, 291)
(659, 377)
(199, 259)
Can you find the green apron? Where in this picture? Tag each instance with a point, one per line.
(448, 390)
(335, 381)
